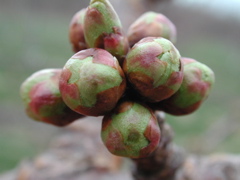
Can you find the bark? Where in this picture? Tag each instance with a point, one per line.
(78, 154)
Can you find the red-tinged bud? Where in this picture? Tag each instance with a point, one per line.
(92, 82)
(196, 86)
(154, 69)
(41, 96)
(76, 35)
(103, 29)
(130, 130)
(151, 24)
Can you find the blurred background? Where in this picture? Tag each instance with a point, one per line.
(34, 36)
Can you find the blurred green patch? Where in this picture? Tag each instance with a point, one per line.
(14, 148)
(29, 42)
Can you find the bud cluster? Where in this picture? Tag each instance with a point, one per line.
(125, 78)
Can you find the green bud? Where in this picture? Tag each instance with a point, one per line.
(151, 24)
(42, 99)
(196, 86)
(131, 130)
(92, 82)
(103, 29)
(76, 35)
(154, 69)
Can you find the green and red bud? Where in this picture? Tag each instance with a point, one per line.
(92, 82)
(103, 29)
(154, 69)
(196, 86)
(151, 24)
(41, 96)
(131, 130)
(76, 35)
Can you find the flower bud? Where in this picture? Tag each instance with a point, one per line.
(76, 35)
(151, 24)
(43, 101)
(130, 130)
(154, 69)
(197, 83)
(92, 82)
(103, 29)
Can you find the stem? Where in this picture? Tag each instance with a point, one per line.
(165, 160)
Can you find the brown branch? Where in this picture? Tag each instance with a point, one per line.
(79, 154)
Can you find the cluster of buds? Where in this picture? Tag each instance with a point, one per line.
(124, 78)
